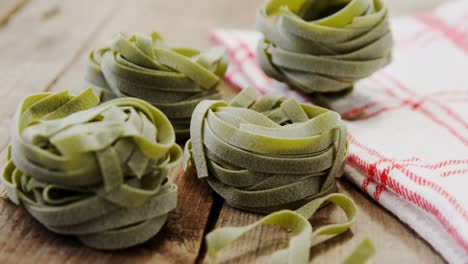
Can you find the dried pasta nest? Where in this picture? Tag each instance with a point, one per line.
(323, 47)
(174, 80)
(98, 173)
(264, 154)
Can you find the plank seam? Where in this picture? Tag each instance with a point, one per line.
(10, 13)
(213, 218)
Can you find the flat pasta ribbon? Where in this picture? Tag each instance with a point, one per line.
(323, 47)
(302, 233)
(174, 80)
(98, 173)
(264, 154)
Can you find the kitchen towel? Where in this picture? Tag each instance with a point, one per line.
(408, 123)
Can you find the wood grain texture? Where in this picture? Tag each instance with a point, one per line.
(43, 47)
(8, 8)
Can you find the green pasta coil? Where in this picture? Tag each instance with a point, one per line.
(99, 173)
(303, 235)
(264, 154)
(323, 47)
(174, 80)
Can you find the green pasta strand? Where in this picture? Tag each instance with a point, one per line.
(174, 80)
(323, 47)
(95, 172)
(303, 234)
(265, 154)
(362, 253)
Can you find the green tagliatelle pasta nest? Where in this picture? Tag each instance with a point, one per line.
(174, 80)
(323, 46)
(264, 154)
(99, 173)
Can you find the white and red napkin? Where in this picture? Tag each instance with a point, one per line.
(409, 147)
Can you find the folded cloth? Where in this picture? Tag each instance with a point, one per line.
(408, 123)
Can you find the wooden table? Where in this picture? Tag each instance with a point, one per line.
(43, 44)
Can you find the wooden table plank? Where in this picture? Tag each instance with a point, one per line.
(8, 8)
